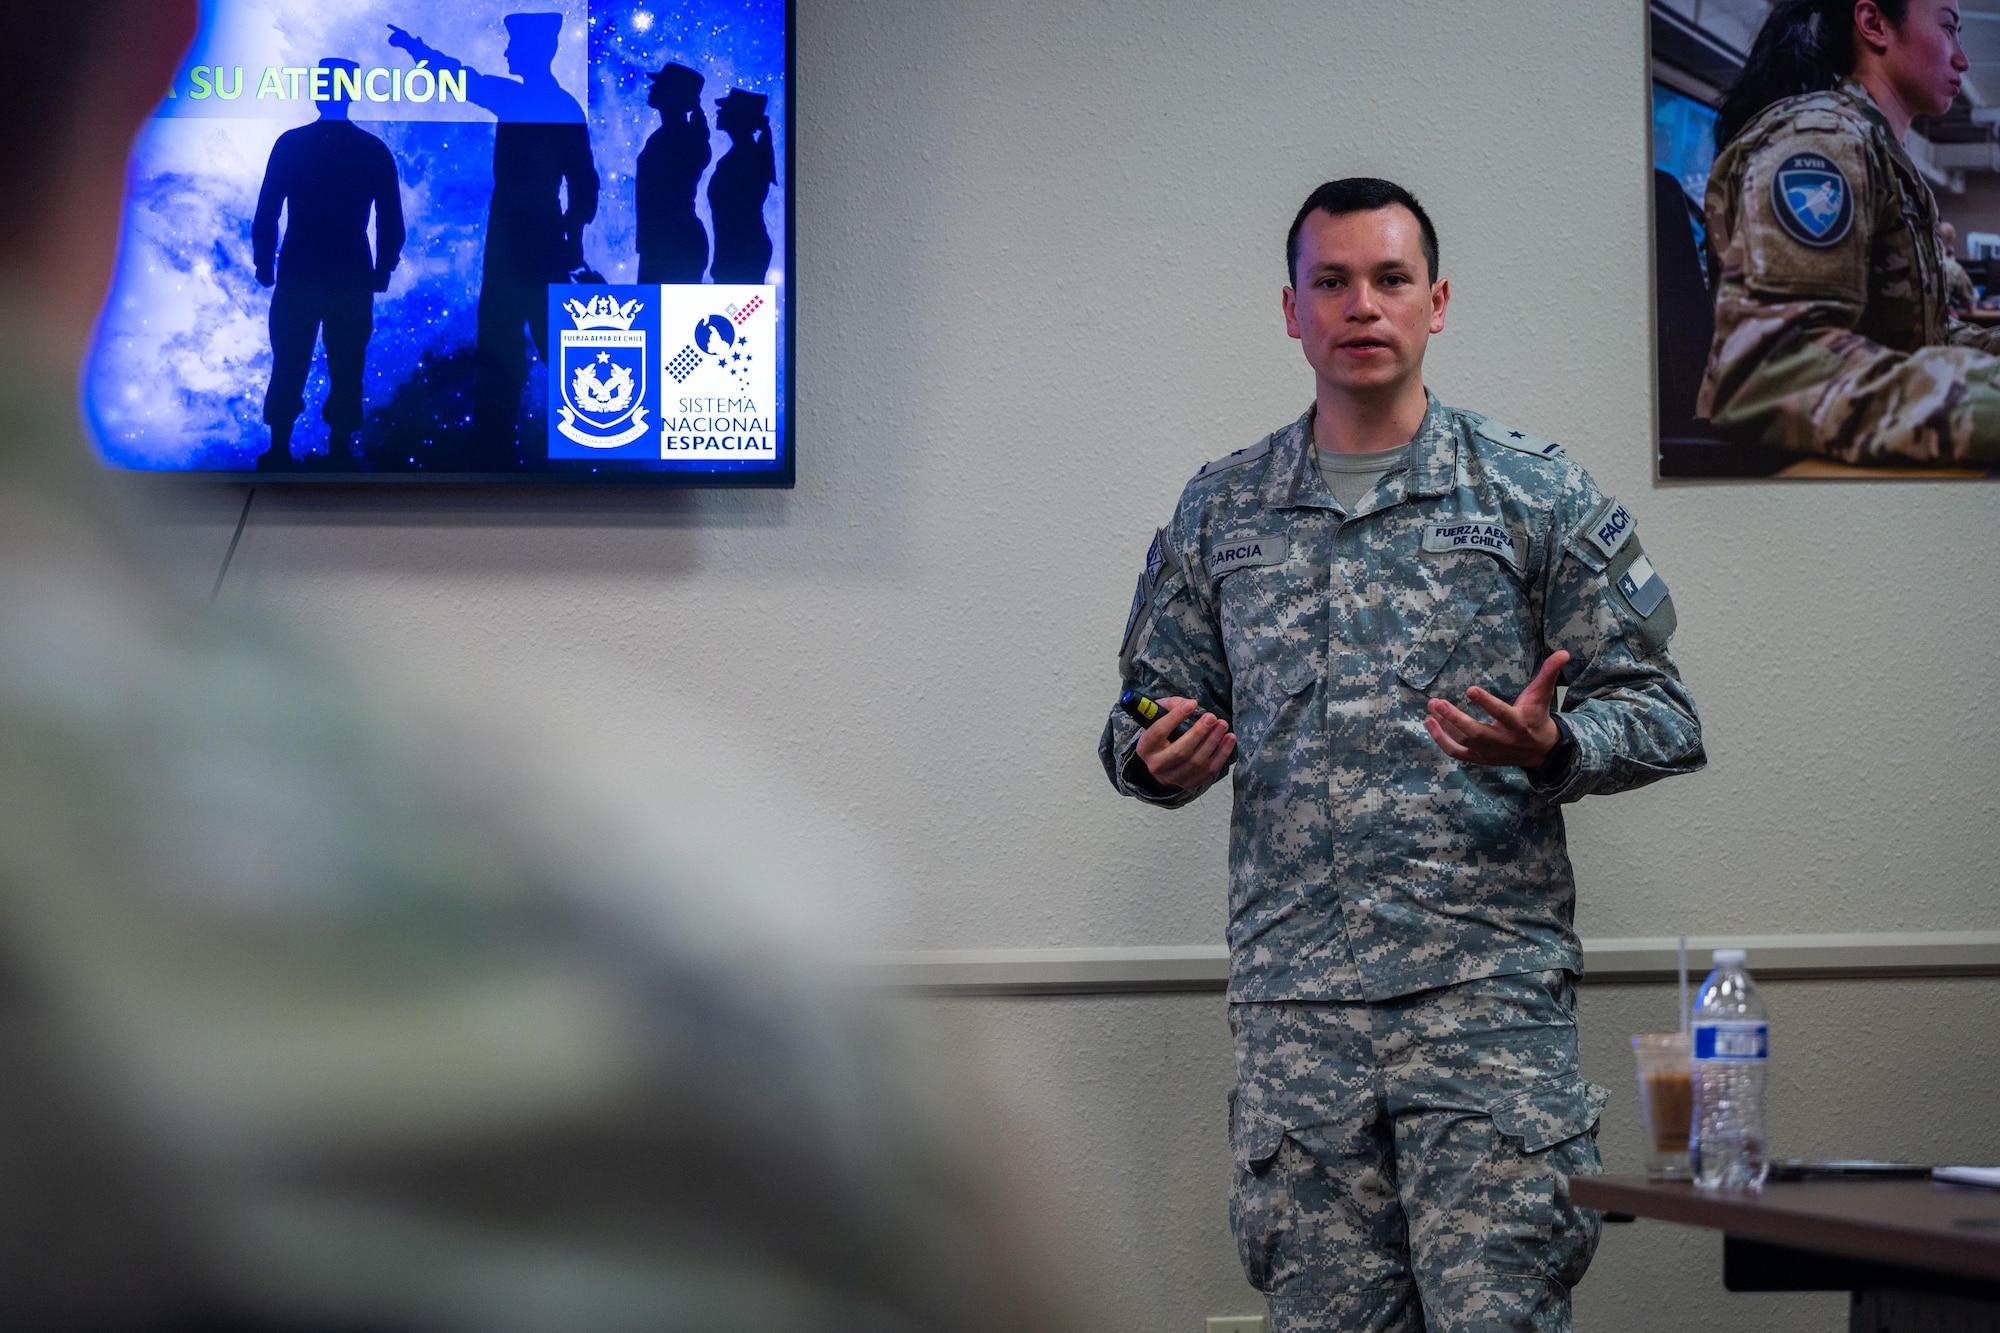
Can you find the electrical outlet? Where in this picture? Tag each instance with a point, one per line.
(1235, 1323)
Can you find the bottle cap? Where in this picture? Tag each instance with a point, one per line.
(1730, 957)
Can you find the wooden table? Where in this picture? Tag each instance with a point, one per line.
(1916, 1255)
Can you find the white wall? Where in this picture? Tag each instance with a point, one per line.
(1038, 260)
(1039, 254)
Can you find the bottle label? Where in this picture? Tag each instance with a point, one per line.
(1738, 1041)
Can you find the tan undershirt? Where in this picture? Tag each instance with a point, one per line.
(1351, 476)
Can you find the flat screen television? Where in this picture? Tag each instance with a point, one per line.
(460, 240)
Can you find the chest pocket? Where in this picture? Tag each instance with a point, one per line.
(1274, 629)
(1468, 630)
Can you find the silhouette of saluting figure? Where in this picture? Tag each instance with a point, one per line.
(541, 146)
(672, 245)
(736, 191)
(325, 177)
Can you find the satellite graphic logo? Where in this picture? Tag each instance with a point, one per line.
(722, 341)
(720, 386)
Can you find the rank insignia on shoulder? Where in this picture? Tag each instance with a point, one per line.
(1811, 199)
(1243, 455)
(1517, 439)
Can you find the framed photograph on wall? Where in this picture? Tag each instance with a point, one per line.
(460, 240)
(1823, 305)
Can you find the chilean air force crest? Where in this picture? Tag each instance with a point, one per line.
(682, 374)
(601, 382)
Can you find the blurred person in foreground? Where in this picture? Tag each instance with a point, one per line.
(301, 1034)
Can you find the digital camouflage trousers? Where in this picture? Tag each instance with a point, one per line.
(1403, 1166)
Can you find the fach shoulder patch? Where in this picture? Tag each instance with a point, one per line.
(1612, 530)
(1249, 455)
(1608, 528)
(1515, 439)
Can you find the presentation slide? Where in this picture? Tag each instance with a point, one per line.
(428, 239)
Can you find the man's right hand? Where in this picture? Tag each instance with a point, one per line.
(1194, 759)
(266, 275)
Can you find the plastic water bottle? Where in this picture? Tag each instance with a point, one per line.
(1731, 1047)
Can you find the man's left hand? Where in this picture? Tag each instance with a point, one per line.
(1521, 733)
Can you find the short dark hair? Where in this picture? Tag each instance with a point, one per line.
(1360, 194)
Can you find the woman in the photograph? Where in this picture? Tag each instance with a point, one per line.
(672, 245)
(736, 192)
(1832, 333)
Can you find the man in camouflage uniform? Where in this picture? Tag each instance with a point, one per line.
(1408, 1108)
(1832, 331)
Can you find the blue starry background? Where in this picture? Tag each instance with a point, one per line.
(177, 376)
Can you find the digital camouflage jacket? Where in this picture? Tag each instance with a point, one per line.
(1364, 862)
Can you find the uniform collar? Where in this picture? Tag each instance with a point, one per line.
(1864, 101)
(1293, 480)
(1857, 91)
(1429, 463)
(1433, 458)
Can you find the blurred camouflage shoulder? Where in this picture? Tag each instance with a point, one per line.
(365, 1021)
(1828, 109)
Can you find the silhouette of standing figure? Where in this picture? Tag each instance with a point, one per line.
(736, 191)
(325, 178)
(541, 147)
(672, 245)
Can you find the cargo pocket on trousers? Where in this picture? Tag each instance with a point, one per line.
(1543, 1136)
(1260, 1198)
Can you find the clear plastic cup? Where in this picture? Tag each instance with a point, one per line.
(1666, 1102)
